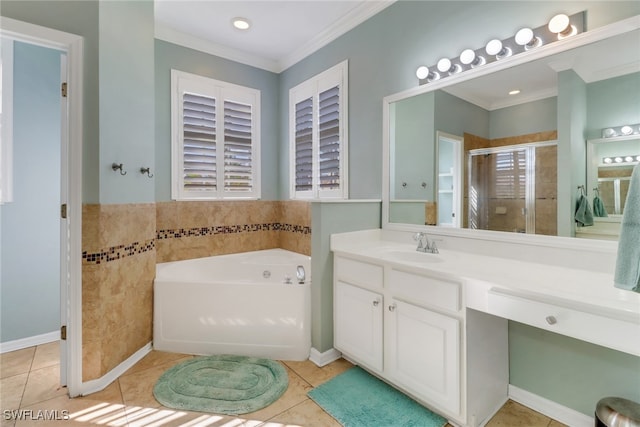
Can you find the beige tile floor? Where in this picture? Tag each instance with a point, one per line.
(29, 381)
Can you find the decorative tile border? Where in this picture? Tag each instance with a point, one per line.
(118, 252)
(123, 251)
(230, 229)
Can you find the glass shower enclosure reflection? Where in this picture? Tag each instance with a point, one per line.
(513, 188)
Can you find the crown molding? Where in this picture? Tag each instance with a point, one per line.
(355, 17)
(171, 35)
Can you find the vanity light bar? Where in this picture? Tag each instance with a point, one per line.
(621, 131)
(559, 27)
(621, 159)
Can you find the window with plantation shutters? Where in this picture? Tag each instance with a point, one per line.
(318, 110)
(215, 142)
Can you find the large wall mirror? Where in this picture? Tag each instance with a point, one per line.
(462, 152)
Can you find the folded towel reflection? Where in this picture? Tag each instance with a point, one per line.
(627, 275)
(583, 216)
(598, 207)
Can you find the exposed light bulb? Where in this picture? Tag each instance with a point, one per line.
(561, 25)
(446, 66)
(607, 160)
(628, 159)
(525, 37)
(422, 72)
(626, 130)
(469, 57)
(495, 47)
(618, 159)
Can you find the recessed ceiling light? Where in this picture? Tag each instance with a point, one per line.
(241, 23)
(514, 92)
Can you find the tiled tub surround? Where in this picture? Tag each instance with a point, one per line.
(121, 245)
(187, 230)
(118, 267)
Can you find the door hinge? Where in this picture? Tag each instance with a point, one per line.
(63, 211)
(63, 332)
(64, 89)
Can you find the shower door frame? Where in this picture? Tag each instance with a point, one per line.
(530, 176)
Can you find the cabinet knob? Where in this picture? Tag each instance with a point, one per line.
(392, 307)
(376, 302)
(551, 320)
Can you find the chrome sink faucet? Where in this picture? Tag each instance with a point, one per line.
(424, 244)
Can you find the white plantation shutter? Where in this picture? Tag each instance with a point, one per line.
(318, 144)
(215, 142)
(510, 174)
(329, 139)
(199, 142)
(238, 147)
(303, 145)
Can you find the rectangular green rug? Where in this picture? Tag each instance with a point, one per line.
(358, 399)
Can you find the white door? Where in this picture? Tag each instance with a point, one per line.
(449, 179)
(358, 324)
(424, 353)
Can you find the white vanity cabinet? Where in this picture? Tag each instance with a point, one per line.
(405, 326)
(358, 312)
(424, 354)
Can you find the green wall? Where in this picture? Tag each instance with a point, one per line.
(81, 18)
(30, 297)
(612, 102)
(326, 219)
(532, 117)
(126, 100)
(568, 371)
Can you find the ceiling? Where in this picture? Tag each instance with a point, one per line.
(282, 33)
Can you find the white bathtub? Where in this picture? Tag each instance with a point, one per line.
(248, 304)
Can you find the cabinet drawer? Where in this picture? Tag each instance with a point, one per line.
(598, 329)
(358, 272)
(425, 290)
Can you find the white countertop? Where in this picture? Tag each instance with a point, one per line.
(586, 291)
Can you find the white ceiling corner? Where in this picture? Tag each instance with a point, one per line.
(284, 31)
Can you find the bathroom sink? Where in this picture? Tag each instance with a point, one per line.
(412, 256)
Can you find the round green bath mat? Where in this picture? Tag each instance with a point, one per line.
(222, 384)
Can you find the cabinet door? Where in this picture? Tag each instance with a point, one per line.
(358, 324)
(424, 354)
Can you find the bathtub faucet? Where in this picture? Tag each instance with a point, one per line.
(300, 275)
(424, 245)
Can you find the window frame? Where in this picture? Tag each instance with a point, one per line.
(183, 82)
(312, 88)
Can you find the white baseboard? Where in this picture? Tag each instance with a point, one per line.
(14, 345)
(101, 383)
(322, 359)
(550, 408)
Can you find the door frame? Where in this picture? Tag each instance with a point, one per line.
(71, 189)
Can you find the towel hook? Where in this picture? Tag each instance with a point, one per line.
(146, 170)
(118, 166)
(582, 190)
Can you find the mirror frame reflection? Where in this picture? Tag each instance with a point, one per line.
(584, 39)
